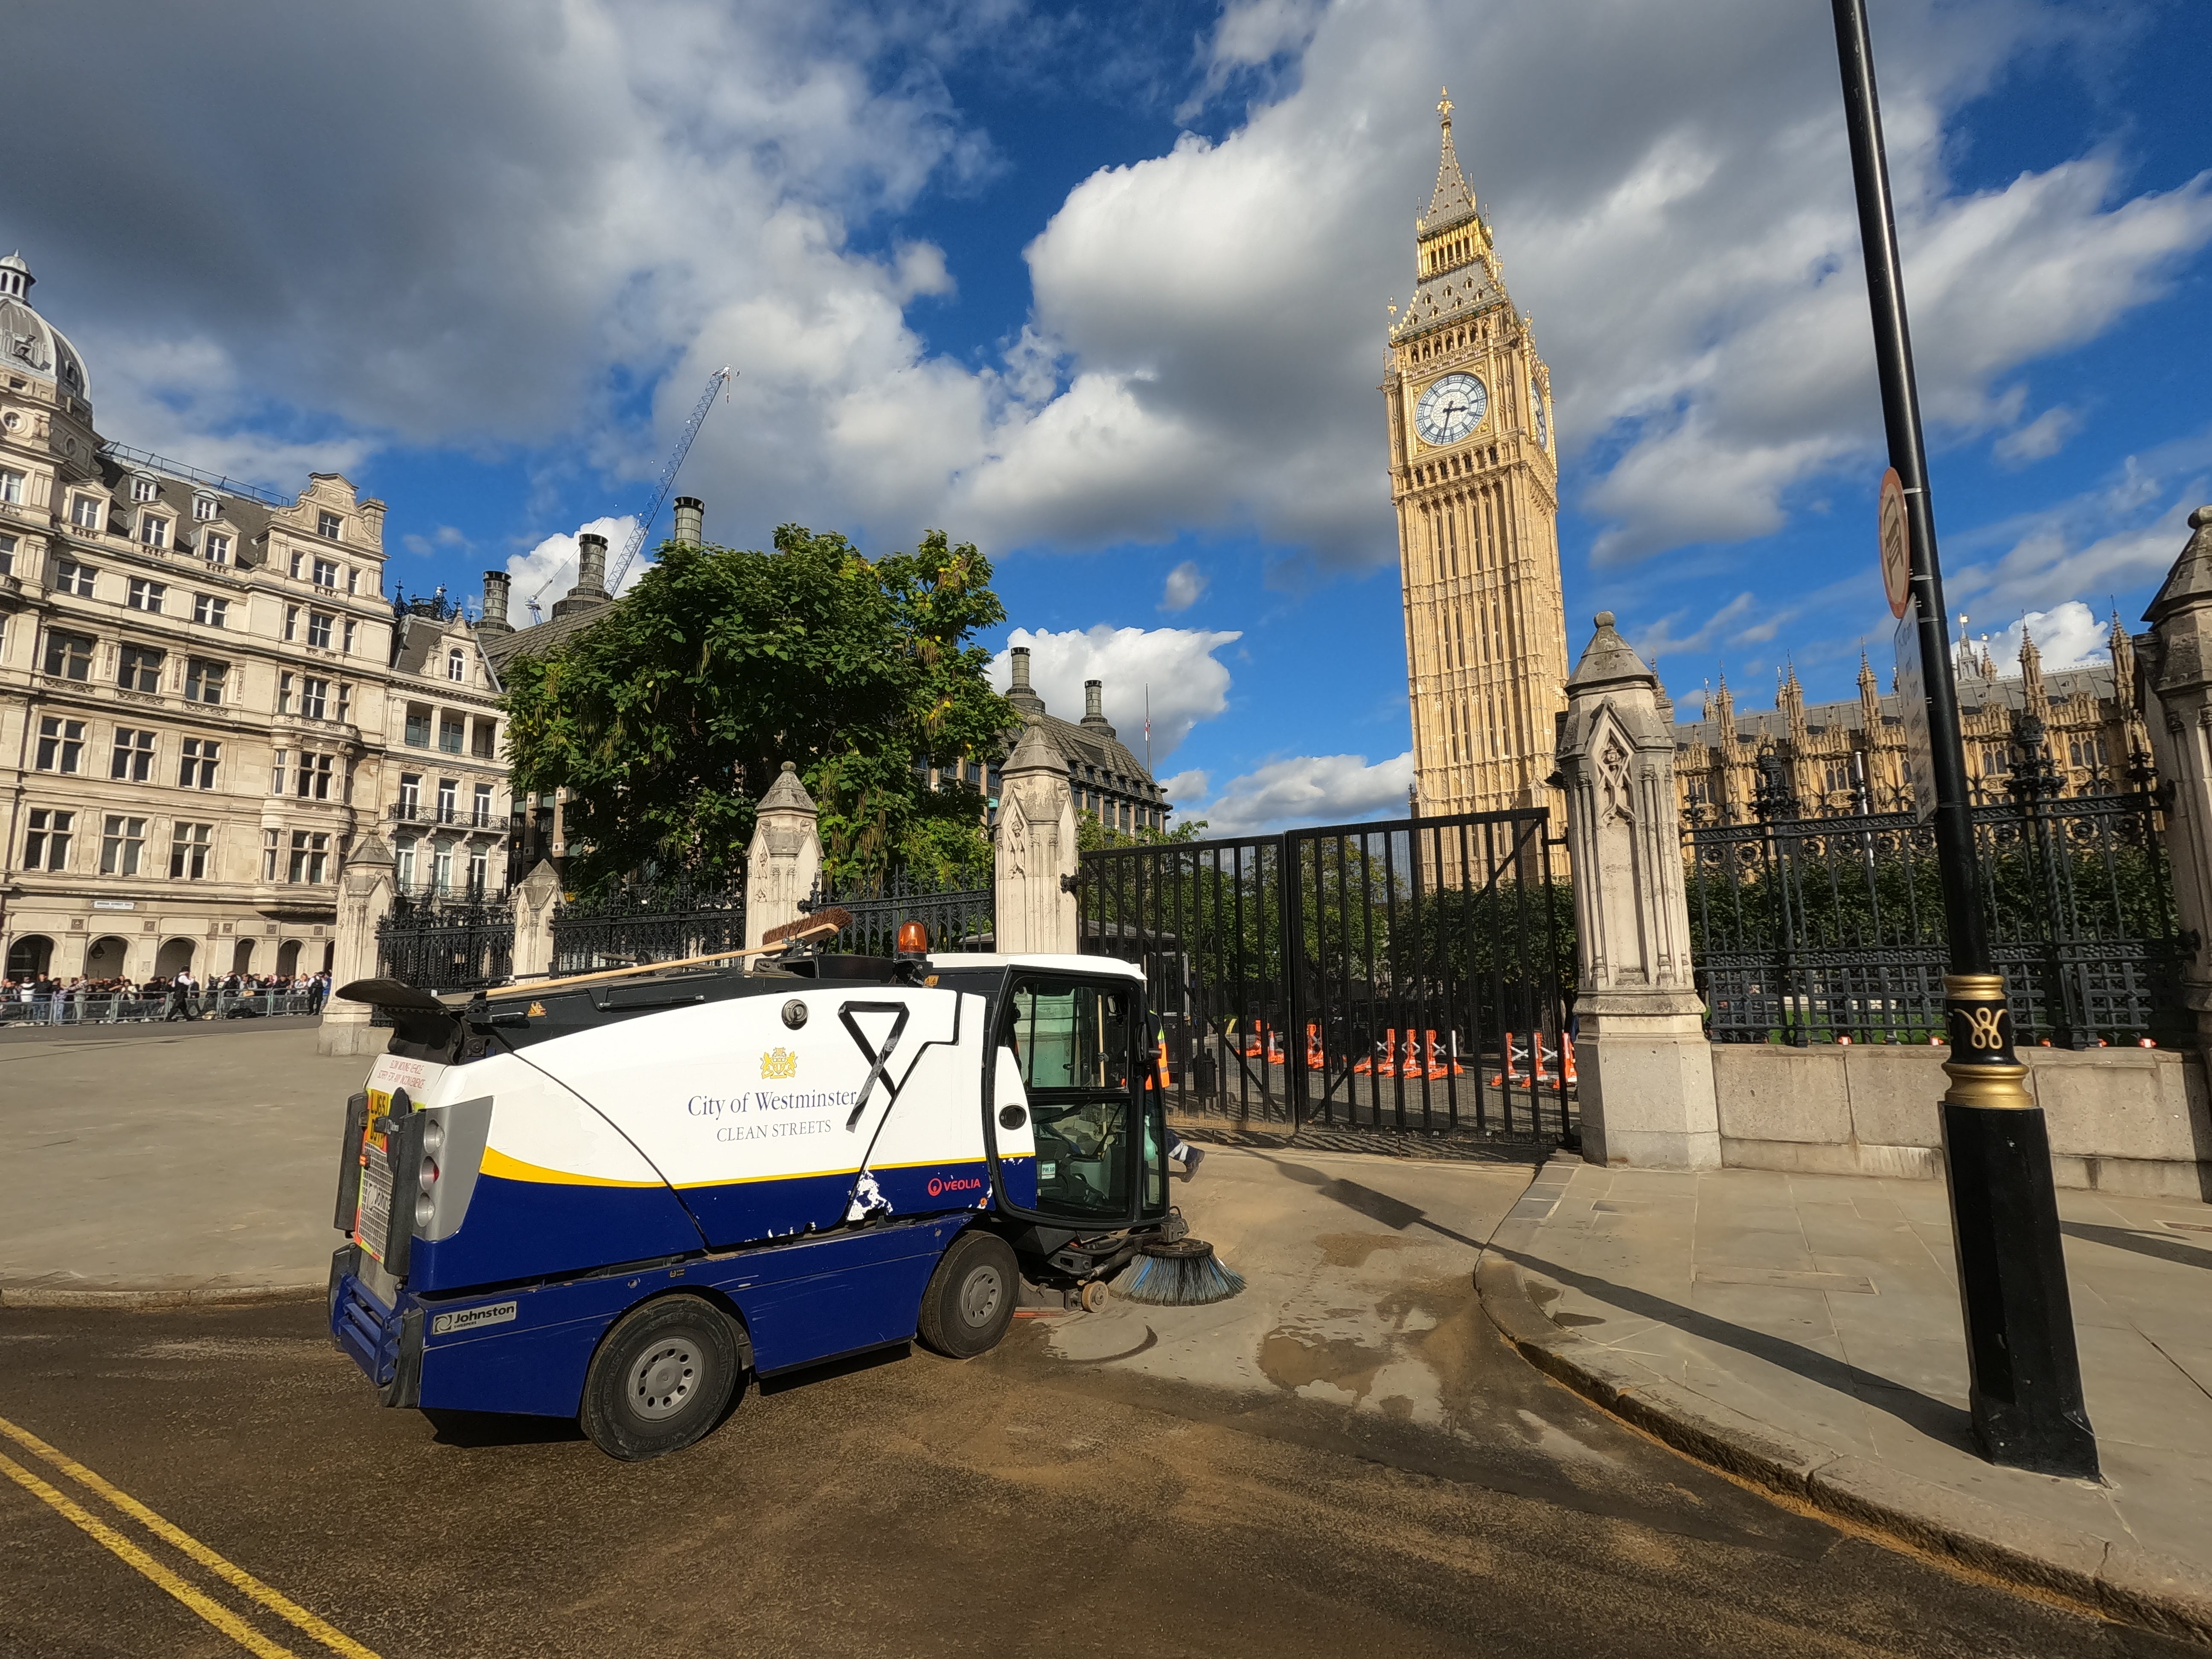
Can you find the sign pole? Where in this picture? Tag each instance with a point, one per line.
(2025, 1375)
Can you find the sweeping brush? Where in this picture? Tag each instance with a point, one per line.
(1179, 1273)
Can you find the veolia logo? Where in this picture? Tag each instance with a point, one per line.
(940, 1185)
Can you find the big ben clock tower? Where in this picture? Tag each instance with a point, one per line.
(1474, 477)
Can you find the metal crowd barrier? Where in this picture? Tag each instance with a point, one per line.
(110, 1009)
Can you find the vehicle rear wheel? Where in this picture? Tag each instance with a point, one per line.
(661, 1378)
(970, 1299)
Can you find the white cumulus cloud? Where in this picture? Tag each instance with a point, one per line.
(548, 571)
(2065, 637)
(1307, 789)
(1176, 666)
(1186, 586)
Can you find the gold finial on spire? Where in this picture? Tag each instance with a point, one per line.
(1444, 104)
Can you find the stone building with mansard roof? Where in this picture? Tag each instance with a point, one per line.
(203, 696)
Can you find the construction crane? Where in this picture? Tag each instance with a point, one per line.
(718, 381)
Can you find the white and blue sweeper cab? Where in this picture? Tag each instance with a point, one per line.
(618, 1201)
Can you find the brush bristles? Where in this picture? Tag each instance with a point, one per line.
(834, 919)
(1165, 1281)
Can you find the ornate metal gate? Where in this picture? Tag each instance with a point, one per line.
(646, 922)
(443, 942)
(957, 919)
(1407, 976)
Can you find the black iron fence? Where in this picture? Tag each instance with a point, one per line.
(1411, 975)
(448, 942)
(956, 919)
(648, 922)
(1827, 929)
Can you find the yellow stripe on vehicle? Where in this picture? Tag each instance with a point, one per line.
(208, 1608)
(275, 1601)
(496, 1163)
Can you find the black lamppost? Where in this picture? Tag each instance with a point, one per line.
(2025, 1378)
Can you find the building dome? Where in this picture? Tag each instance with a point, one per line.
(29, 343)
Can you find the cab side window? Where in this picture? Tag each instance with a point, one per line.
(1071, 1036)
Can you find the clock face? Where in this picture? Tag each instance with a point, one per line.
(1449, 410)
(1543, 425)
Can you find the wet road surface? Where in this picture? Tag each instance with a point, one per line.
(1021, 1504)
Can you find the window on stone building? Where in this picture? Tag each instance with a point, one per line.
(189, 847)
(299, 565)
(277, 775)
(410, 794)
(479, 870)
(345, 701)
(449, 734)
(441, 867)
(482, 815)
(7, 556)
(318, 629)
(418, 728)
(153, 530)
(133, 759)
(314, 698)
(138, 668)
(313, 781)
(457, 666)
(403, 865)
(449, 796)
(46, 838)
(286, 684)
(122, 844)
(88, 512)
(68, 655)
(329, 526)
(74, 579)
(61, 745)
(311, 851)
(484, 739)
(327, 573)
(271, 850)
(346, 637)
(147, 595)
(144, 490)
(11, 486)
(291, 622)
(353, 579)
(217, 547)
(197, 769)
(204, 679)
(208, 611)
(204, 507)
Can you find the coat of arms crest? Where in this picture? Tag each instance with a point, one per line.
(779, 1062)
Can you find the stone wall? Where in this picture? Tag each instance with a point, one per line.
(2131, 1121)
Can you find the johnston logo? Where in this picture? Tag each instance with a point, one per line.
(779, 1062)
(492, 1313)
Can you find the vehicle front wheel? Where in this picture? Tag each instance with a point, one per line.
(660, 1379)
(970, 1299)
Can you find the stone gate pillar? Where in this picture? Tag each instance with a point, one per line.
(2175, 663)
(785, 859)
(1646, 1067)
(535, 900)
(365, 892)
(1033, 859)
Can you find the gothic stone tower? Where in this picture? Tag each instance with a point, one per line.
(1474, 476)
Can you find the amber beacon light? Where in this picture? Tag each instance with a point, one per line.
(913, 939)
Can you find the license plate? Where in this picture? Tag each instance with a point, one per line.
(373, 1221)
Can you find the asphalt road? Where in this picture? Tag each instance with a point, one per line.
(1022, 1504)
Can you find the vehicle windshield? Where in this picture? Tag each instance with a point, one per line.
(1072, 1040)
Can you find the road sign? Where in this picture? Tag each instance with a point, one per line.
(1912, 709)
(1896, 534)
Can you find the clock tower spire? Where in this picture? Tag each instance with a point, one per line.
(1474, 478)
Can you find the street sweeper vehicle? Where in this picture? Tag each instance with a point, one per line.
(618, 1197)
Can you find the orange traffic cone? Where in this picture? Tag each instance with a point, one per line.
(1316, 1060)
(1567, 1044)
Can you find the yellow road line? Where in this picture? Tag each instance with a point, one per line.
(275, 1601)
(214, 1612)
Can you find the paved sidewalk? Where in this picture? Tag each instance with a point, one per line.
(1804, 1332)
(176, 1163)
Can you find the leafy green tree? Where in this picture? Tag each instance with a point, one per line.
(669, 717)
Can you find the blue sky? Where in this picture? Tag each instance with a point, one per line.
(1103, 289)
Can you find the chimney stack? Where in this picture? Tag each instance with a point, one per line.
(496, 585)
(591, 588)
(1019, 693)
(690, 520)
(1094, 712)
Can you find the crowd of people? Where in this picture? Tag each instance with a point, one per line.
(183, 995)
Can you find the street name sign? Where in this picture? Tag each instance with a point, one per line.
(1896, 536)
